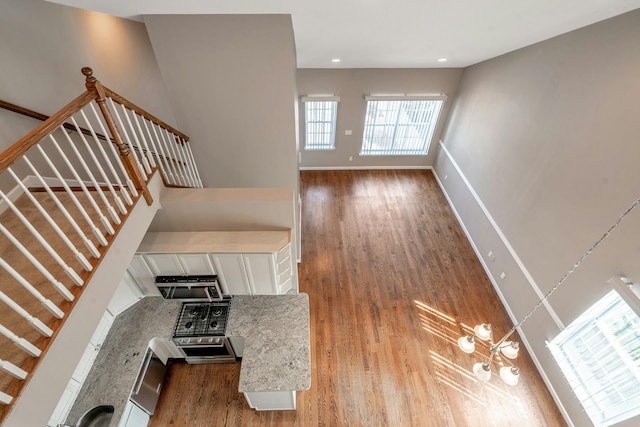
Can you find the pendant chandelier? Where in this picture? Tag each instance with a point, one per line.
(509, 349)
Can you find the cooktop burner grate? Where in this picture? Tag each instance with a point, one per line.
(198, 319)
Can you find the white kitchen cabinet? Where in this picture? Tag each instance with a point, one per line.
(271, 400)
(254, 273)
(261, 271)
(164, 264)
(65, 403)
(91, 352)
(143, 275)
(232, 274)
(127, 294)
(196, 264)
(133, 416)
(246, 262)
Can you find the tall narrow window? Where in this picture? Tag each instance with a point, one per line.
(400, 125)
(320, 122)
(599, 354)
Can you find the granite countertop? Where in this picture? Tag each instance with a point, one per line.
(277, 353)
(116, 367)
(277, 349)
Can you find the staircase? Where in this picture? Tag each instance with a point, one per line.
(66, 191)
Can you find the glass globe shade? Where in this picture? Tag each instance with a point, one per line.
(510, 349)
(510, 374)
(482, 371)
(483, 331)
(467, 344)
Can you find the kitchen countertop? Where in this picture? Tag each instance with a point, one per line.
(277, 352)
(117, 364)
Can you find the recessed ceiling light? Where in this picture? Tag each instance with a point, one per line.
(335, 60)
(442, 60)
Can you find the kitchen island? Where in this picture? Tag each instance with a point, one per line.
(276, 360)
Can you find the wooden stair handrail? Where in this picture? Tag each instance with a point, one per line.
(42, 117)
(130, 105)
(24, 144)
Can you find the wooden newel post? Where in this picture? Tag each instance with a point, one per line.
(129, 162)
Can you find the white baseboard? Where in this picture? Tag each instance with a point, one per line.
(337, 168)
(512, 316)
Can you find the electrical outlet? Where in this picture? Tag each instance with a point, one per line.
(351, 158)
(445, 176)
(348, 132)
(491, 256)
(502, 275)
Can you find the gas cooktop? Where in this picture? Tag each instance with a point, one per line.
(202, 319)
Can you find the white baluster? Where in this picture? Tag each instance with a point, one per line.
(105, 222)
(188, 166)
(68, 270)
(193, 164)
(95, 230)
(165, 156)
(167, 151)
(5, 399)
(88, 243)
(180, 164)
(56, 284)
(76, 253)
(150, 158)
(12, 369)
(177, 143)
(145, 162)
(112, 212)
(127, 140)
(123, 190)
(47, 303)
(172, 146)
(24, 345)
(162, 164)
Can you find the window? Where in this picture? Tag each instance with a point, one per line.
(599, 354)
(400, 126)
(320, 122)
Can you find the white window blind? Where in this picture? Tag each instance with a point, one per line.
(320, 122)
(599, 354)
(401, 126)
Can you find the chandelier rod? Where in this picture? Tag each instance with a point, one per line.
(495, 347)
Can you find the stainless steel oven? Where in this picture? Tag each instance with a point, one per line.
(200, 332)
(207, 350)
(189, 288)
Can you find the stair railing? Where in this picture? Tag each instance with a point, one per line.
(65, 188)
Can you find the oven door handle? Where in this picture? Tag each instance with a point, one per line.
(209, 345)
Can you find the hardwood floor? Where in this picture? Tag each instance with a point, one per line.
(392, 283)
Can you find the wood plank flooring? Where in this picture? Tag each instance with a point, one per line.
(392, 283)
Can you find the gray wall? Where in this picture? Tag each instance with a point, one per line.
(546, 139)
(43, 47)
(231, 79)
(351, 85)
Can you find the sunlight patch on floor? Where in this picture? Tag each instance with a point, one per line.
(455, 376)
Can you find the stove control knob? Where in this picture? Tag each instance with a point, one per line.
(199, 340)
(210, 340)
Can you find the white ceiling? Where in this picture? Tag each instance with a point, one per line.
(396, 34)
